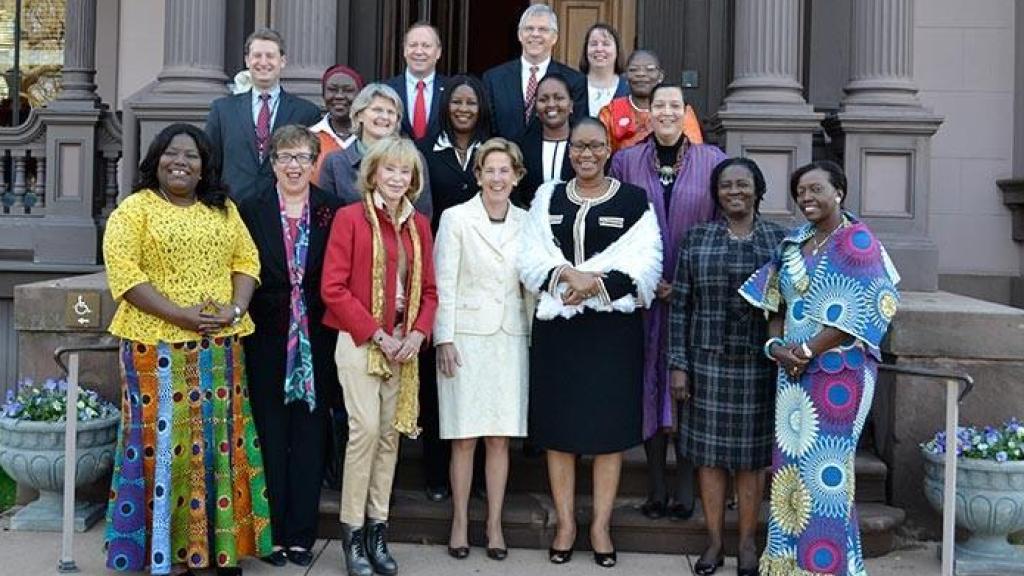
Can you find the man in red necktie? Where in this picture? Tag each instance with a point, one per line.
(512, 86)
(240, 126)
(420, 86)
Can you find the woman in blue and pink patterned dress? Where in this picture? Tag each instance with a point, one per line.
(830, 292)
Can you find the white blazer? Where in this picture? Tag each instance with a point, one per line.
(478, 286)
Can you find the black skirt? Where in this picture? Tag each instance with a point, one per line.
(586, 383)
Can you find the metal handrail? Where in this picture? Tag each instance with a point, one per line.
(963, 377)
(66, 563)
(955, 393)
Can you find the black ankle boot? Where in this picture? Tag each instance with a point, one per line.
(354, 546)
(377, 548)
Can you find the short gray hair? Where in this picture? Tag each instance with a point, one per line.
(367, 94)
(539, 10)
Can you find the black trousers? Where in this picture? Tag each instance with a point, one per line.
(657, 455)
(293, 444)
(436, 452)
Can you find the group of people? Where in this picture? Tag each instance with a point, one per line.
(544, 254)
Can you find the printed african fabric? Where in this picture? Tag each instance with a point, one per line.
(851, 286)
(188, 485)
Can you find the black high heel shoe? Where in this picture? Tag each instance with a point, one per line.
(747, 571)
(702, 568)
(497, 553)
(606, 560)
(559, 556)
(459, 553)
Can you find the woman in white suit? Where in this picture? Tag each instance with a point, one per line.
(481, 331)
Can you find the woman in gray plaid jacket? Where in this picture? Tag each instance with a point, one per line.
(719, 374)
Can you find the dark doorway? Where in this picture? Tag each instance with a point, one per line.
(491, 34)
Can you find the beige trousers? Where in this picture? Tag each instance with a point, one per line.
(372, 449)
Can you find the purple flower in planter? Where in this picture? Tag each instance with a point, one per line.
(1001, 456)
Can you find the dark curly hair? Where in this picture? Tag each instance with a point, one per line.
(482, 131)
(210, 191)
(836, 177)
(760, 187)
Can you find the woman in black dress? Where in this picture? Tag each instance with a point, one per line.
(592, 254)
(718, 371)
(290, 404)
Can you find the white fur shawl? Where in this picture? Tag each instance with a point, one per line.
(637, 253)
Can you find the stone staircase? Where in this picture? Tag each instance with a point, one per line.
(529, 518)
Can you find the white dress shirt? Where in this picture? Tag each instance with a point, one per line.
(410, 94)
(542, 69)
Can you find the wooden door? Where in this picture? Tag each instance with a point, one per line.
(575, 16)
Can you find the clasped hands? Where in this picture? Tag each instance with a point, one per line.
(581, 285)
(791, 358)
(207, 317)
(397, 348)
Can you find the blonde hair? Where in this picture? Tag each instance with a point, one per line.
(366, 95)
(495, 145)
(399, 150)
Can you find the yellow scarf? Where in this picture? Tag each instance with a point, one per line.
(408, 408)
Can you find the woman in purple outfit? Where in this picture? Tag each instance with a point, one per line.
(675, 174)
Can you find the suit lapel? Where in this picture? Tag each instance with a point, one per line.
(317, 233)
(514, 85)
(433, 121)
(480, 221)
(272, 236)
(243, 107)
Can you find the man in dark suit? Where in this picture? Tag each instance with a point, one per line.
(240, 126)
(420, 86)
(512, 86)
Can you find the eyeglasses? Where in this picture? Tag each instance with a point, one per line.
(594, 147)
(285, 159)
(536, 29)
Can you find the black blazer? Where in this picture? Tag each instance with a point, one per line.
(532, 145)
(450, 185)
(504, 86)
(433, 120)
(232, 135)
(270, 306)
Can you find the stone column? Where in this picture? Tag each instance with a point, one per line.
(193, 47)
(79, 70)
(884, 135)
(881, 55)
(310, 37)
(764, 115)
(191, 79)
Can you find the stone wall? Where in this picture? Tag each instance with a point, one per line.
(963, 66)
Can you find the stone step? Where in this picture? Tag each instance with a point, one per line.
(529, 522)
(530, 474)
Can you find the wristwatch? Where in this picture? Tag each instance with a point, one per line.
(806, 350)
(238, 314)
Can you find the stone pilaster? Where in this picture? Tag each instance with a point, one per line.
(310, 36)
(192, 77)
(884, 135)
(764, 115)
(67, 233)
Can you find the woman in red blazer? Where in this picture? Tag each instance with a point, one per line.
(378, 286)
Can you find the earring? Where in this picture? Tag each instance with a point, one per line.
(839, 199)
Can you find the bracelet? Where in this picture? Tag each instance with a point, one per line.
(806, 350)
(238, 314)
(768, 346)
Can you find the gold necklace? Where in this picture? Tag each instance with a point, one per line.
(192, 199)
(818, 245)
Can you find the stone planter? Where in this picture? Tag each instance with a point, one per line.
(33, 454)
(989, 503)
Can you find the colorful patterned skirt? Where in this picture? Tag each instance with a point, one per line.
(188, 485)
(812, 526)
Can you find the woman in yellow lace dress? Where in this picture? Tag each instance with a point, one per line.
(188, 489)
